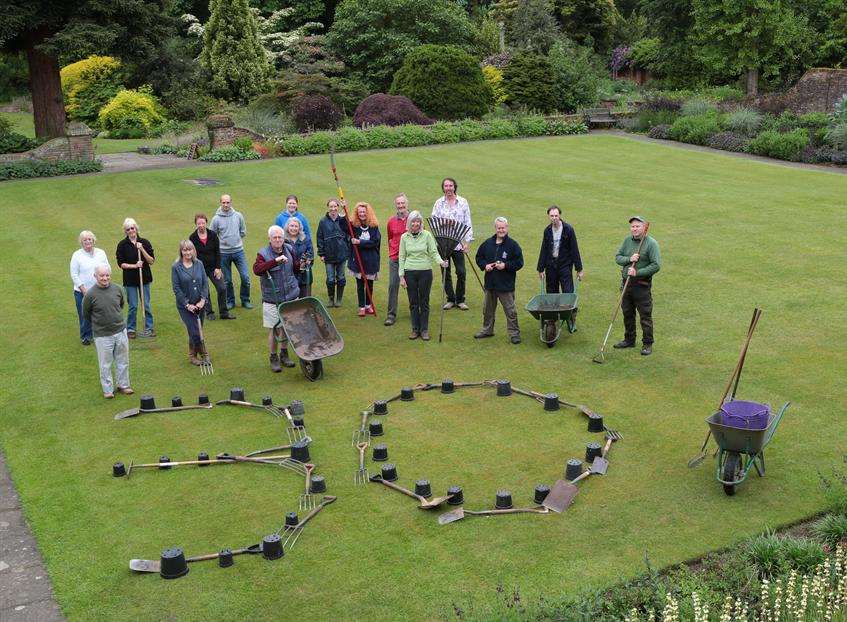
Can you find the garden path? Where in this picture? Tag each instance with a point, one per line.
(131, 161)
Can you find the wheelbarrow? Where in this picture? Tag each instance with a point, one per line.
(740, 449)
(311, 333)
(554, 311)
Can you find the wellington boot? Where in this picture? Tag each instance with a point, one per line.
(283, 358)
(330, 294)
(275, 368)
(339, 292)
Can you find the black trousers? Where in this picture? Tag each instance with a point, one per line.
(220, 287)
(418, 286)
(638, 297)
(457, 259)
(362, 293)
(559, 278)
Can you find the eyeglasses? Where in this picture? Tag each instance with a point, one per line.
(130, 229)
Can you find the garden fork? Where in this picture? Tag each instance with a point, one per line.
(206, 368)
(361, 476)
(307, 499)
(362, 435)
(295, 432)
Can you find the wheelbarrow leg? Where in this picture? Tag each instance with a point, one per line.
(759, 463)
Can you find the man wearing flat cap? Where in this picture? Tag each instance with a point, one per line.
(638, 295)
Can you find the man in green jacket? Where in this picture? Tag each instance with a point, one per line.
(638, 295)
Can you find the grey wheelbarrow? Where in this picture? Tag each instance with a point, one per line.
(554, 311)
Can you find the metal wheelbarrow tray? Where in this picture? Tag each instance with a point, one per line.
(741, 449)
(311, 333)
(553, 311)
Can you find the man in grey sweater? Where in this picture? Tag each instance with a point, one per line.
(103, 306)
(231, 229)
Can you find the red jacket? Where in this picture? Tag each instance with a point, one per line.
(396, 228)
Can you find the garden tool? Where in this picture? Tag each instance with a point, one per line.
(561, 495)
(448, 234)
(540, 398)
(459, 513)
(361, 476)
(425, 504)
(601, 355)
(362, 435)
(295, 432)
(220, 459)
(276, 412)
(206, 368)
(733, 379)
(293, 533)
(154, 565)
(143, 335)
(600, 463)
(259, 452)
(307, 499)
(132, 412)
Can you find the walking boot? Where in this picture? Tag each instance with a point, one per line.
(192, 355)
(330, 294)
(283, 357)
(339, 292)
(275, 368)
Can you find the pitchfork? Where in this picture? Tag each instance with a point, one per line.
(361, 476)
(295, 432)
(362, 435)
(307, 499)
(206, 368)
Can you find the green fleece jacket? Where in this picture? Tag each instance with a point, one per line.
(417, 252)
(649, 262)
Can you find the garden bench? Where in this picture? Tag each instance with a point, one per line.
(598, 116)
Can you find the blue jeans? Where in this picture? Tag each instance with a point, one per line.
(335, 273)
(132, 304)
(240, 261)
(84, 325)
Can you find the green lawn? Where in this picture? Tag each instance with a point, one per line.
(734, 234)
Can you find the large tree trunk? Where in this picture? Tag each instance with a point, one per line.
(48, 106)
(752, 82)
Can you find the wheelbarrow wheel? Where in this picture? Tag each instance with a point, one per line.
(313, 370)
(550, 330)
(731, 471)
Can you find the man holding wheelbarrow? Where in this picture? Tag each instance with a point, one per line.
(276, 268)
(559, 254)
(640, 268)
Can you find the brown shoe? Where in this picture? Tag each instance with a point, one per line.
(125, 390)
(414, 334)
(425, 335)
(109, 396)
(192, 356)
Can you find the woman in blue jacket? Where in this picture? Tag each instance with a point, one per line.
(303, 253)
(366, 239)
(191, 290)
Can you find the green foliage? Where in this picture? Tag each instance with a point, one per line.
(12, 142)
(558, 127)
(588, 22)
(730, 141)
(532, 27)
(528, 80)
(840, 113)
(696, 107)
(29, 168)
(487, 40)
(243, 143)
(744, 121)
(444, 81)
(5, 125)
(88, 85)
(232, 52)
(531, 125)
(470, 130)
(500, 128)
(494, 77)
(14, 75)
(294, 145)
(645, 52)
(263, 121)
(350, 139)
(318, 142)
(835, 492)
(648, 119)
(695, 129)
(781, 145)
(837, 136)
(384, 137)
(831, 529)
(575, 80)
(443, 132)
(132, 112)
(413, 135)
(230, 153)
(374, 36)
(660, 132)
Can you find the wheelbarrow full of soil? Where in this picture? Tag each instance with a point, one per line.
(311, 333)
(554, 311)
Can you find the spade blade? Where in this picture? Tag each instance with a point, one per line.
(145, 565)
(599, 466)
(561, 496)
(452, 516)
(132, 412)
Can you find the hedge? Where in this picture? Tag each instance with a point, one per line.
(28, 169)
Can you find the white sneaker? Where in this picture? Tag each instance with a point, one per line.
(448, 305)
(463, 306)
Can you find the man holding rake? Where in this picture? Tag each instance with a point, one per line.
(455, 207)
(639, 267)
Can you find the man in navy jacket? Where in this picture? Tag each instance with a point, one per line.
(559, 254)
(500, 257)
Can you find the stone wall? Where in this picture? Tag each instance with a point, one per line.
(817, 91)
(222, 132)
(75, 145)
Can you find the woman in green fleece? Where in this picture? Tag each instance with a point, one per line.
(418, 251)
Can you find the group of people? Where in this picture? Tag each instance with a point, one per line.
(345, 243)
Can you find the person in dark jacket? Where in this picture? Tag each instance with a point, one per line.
(132, 253)
(366, 238)
(301, 250)
(559, 254)
(277, 272)
(500, 257)
(333, 249)
(208, 249)
(191, 290)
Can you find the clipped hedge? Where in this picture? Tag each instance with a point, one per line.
(34, 168)
(230, 153)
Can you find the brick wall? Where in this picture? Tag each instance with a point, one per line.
(75, 145)
(817, 91)
(223, 136)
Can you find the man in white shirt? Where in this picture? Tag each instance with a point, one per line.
(455, 207)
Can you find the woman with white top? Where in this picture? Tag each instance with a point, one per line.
(83, 263)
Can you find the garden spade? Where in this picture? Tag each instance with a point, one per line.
(601, 464)
(425, 504)
(132, 412)
(561, 496)
(154, 565)
(459, 513)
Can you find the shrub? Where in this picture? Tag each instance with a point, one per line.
(531, 125)
(835, 493)
(729, 141)
(528, 81)
(382, 137)
(30, 168)
(837, 136)
(294, 145)
(264, 121)
(443, 132)
(840, 113)
(230, 153)
(743, 121)
(132, 110)
(694, 129)
(88, 85)
(5, 125)
(558, 127)
(784, 146)
(831, 529)
(839, 157)
(575, 81)
(413, 135)
(12, 142)
(662, 131)
(696, 107)
(350, 139)
(494, 77)
(243, 143)
(765, 553)
(814, 120)
(315, 112)
(319, 142)
(786, 122)
(500, 128)
(444, 81)
(801, 554)
(647, 119)
(382, 109)
(470, 130)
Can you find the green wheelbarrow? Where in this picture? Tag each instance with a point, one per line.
(740, 449)
(553, 312)
(311, 333)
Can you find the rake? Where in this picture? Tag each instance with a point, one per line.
(601, 355)
(143, 336)
(307, 499)
(293, 532)
(273, 410)
(206, 368)
(295, 432)
(448, 234)
(361, 476)
(259, 452)
(219, 459)
(362, 435)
